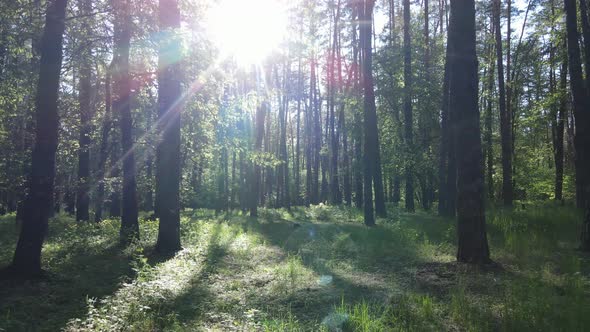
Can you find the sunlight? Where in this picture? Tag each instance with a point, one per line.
(248, 31)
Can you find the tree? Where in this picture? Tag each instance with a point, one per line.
(371, 157)
(471, 224)
(557, 131)
(335, 193)
(104, 145)
(582, 131)
(255, 189)
(408, 119)
(82, 194)
(447, 162)
(38, 207)
(505, 117)
(168, 150)
(122, 107)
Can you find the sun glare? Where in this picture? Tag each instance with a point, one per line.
(247, 30)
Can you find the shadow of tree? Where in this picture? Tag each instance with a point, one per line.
(197, 298)
(47, 305)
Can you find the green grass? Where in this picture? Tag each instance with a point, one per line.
(308, 269)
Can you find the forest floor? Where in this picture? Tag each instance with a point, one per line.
(311, 269)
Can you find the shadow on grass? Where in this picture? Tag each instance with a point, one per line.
(48, 305)
(198, 299)
(360, 263)
(404, 249)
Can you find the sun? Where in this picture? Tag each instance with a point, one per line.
(247, 30)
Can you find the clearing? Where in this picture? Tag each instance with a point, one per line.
(310, 269)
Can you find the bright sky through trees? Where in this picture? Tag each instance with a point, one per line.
(247, 30)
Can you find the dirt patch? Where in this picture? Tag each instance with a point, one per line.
(437, 277)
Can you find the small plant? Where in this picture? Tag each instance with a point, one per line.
(285, 322)
(362, 317)
(321, 212)
(292, 275)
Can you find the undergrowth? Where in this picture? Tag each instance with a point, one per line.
(308, 269)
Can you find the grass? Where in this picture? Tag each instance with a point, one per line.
(308, 269)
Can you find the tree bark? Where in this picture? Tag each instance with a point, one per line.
(488, 138)
(260, 114)
(447, 165)
(471, 224)
(582, 120)
(83, 185)
(168, 150)
(558, 126)
(358, 126)
(408, 119)
(586, 34)
(372, 161)
(335, 193)
(104, 144)
(27, 256)
(297, 163)
(505, 118)
(122, 107)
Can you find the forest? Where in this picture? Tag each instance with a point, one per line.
(302, 165)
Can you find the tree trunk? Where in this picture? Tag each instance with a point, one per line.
(283, 115)
(260, 114)
(471, 224)
(586, 34)
(115, 197)
(104, 144)
(558, 125)
(358, 126)
(83, 185)
(168, 149)
(408, 121)
(372, 160)
(27, 257)
(309, 194)
(505, 118)
(335, 192)
(297, 163)
(488, 138)
(582, 120)
(122, 107)
(448, 162)
(445, 192)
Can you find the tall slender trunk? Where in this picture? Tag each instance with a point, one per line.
(168, 150)
(558, 125)
(260, 114)
(447, 165)
(471, 223)
(408, 119)
(283, 115)
(488, 138)
(582, 120)
(586, 35)
(27, 256)
(83, 185)
(505, 118)
(372, 160)
(358, 126)
(335, 192)
(317, 137)
(309, 192)
(115, 170)
(122, 107)
(104, 145)
(365, 41)
(297, 163)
